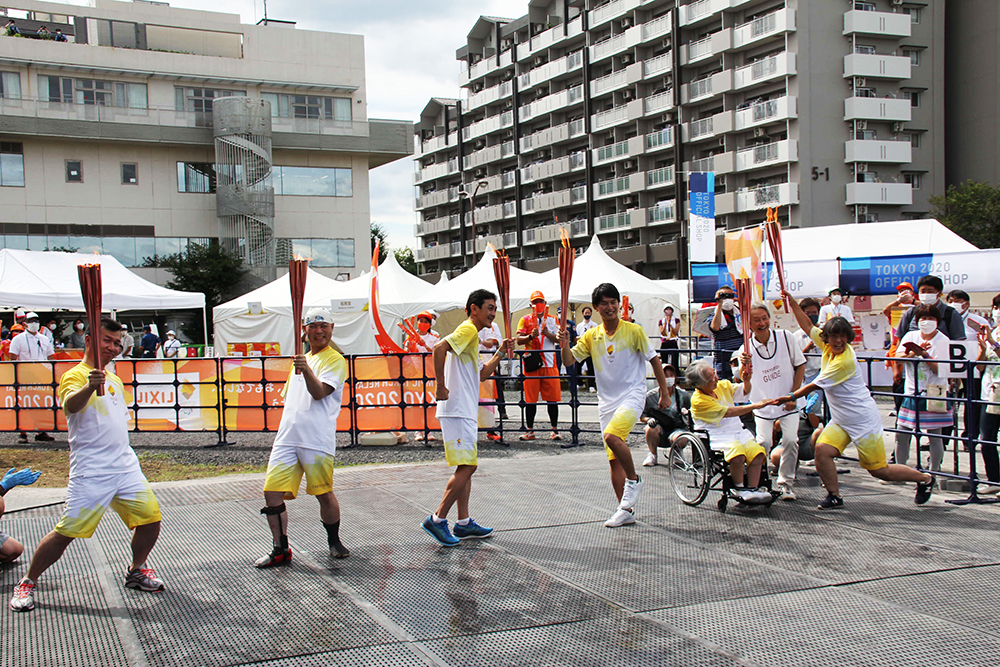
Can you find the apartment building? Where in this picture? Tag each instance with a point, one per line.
(587, 115)
(111, 141)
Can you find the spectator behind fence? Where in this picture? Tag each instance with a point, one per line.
(31, 346)
(171, 346)
(726, 328)
(77, 339)
(894, 313)
(670, 327)
(835, 308)
(974, 326)
(929, 293)
(10, 30)
(150, 343)
(927, 344)
(59, 36)
(43, 33)
(989, 423)
(587, 365)
(661, 428)
(539, 332)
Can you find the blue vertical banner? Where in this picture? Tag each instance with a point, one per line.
(701, 232)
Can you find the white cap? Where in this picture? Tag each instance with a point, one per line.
(19, 312)
(171, 333)
(31, 315)
(318, 315)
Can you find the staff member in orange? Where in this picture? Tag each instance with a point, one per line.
(539, 333)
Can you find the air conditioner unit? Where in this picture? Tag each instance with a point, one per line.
(626, 23)
(509, 134)
(861, 124)
(859, 82)
(629, 200)
(508, 104)
(627, 94)
(629, 164)
(626, 58)
(897, 127)
(630, 236)
(863, 210)
(862, 166)
(480, 144)
(897, 2)
(480, 172)
(539, 60)
(759, 132)
(508, 75)
(666, 42)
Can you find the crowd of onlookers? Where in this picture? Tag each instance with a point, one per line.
(11, 30)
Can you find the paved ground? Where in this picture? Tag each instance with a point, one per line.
(881, 582)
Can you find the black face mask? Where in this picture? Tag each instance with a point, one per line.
(814, 318)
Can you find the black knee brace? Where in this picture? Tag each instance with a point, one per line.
(272, 511)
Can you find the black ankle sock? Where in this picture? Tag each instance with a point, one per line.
(333, 536)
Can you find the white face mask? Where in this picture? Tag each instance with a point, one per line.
(728, 304)
(960, 307)
(670, 381)
(79, 326)
(835, 298)
(927, 326)
(928, 299)
(52, 327)
(32, 327)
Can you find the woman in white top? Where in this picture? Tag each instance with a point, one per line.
(835, 309)
(927, 343)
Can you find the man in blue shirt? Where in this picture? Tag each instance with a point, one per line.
(150, 343)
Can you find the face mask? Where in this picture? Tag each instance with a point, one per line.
(835, 298)
(423, 327)
(961, 307)
(539, 308)
(928, 299)
(52, 327)
(670, 381)
(169, 337)
(927, 326)
(728, 304)
(586, 316)
(79, 326)
(33, 327)
(814, 318)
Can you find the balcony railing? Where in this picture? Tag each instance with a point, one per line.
(661, 176)
(700, 128)
(700, 88)
(611, 152)
(699, 48)
(610, 117)
(607, 47)
(664, 137)
(662, 212)
(611, 187)
(659, 102)
(657, 65)
(609, 82)
(656, 27)
(614, 221)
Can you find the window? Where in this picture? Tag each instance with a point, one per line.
(10, 85)
(74, 171)
(864, 6)
(914, 55)
(914, 13)
(201, 99)
(313, 181)
(323, 252)
(911, 95)
(196, 177)
(11, 164)
(913, 180)
(915, 139)
(130, 173)
(308, 106)
(867, 49)
(92, 91)
(865, 92)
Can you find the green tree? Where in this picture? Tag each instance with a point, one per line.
(406, 259)
(209, 269)
(382, 236)
(971, 210)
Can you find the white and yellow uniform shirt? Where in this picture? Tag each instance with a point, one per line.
(98, 434)
(620, 371)
(307, 422)
(461, 374)
(724, 433)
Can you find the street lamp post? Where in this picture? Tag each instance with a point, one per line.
(472, 211)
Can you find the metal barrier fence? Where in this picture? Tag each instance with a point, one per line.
(384, 393)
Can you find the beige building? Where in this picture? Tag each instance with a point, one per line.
(109, 140)
(589, 114)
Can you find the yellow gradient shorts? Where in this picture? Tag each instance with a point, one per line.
(87, 498)
(746, 445)
(461, 437)
(287, 465)
(619, 423)
(871, 447)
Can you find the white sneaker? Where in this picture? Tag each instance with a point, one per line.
(744, 494)
(762, 495)
(592, 390)
(787, 491)
(649, 461)
(630, 496)
(620, 518)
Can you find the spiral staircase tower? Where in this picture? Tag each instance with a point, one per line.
(244, 190)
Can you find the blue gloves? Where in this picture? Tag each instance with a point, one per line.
(23, 477)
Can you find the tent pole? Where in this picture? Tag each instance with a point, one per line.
(204, 324)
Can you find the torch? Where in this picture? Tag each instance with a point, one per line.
(501, 270)
(90, 287)
(566, 259)
(297, 269)
(773, 228)
(743, 298)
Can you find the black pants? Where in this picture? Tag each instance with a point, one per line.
(897, 389)
(973, 410)
(669, 354)
(988, 427)
(588, 369)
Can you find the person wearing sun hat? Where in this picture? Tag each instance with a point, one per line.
(836, 308)
(538, 332)
(307, 439)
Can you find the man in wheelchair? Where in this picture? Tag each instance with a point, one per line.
(715, 410)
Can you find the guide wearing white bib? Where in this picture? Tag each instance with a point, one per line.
(774, 365)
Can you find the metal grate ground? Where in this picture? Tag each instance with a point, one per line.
(881, 583)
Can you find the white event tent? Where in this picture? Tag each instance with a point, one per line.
(49, 281)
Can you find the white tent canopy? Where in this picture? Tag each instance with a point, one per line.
(49, 280)
(898, 237)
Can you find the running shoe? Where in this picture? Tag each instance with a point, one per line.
(22, 437)
(649, 461)
(787, 491)
(831, 502)
(276, 557)
(471, 530)
(440, 532)
(493, 435)
(746, 495)
(924, 491)
(620, 518)
(630, 496)
(44, 437)
(762, 495)
(143, 579)
(24, 597)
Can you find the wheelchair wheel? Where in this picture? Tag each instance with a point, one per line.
(690, 468)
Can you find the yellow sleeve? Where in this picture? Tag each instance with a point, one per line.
(72, 381)
(584, 345)
(462, 337)
(836, 370)
(641, 343)
(706, 408)
(814, 335)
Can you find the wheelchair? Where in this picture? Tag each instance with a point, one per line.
(695, 469)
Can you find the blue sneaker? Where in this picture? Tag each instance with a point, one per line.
(472, 530)
(440, 532)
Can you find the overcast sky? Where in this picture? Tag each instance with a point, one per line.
(410, 57)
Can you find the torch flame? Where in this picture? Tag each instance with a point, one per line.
(564, 235)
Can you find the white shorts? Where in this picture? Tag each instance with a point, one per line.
(87, 498)
(287, 465)
(460, 437)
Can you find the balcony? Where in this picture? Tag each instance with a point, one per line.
(720, 163)
(609, 118)
(546, 201)
(608, 48)
(700, 11)
(612, 152)
(438, 225)
(550, 103)
(488, 96)
(767, 69)
(708, 87)
(665, 211)
(551, 36)
(549, 233)
(764, 27)
(610, 10)
(895, 152)
(442, 251)
(551, 135)
(658, 178)
(438, 170)
(657, 65)
(608, 83)
(877, 66)
(550, 70)
(763, 113)
(485, 66)
(705, 128)
(550, 168)
(890, 194)
(656, 28)
(716, 43)
(660, 139)
(877, 108)
(633, 219)
(753, 199)
(499, 242)
(886, 24)
(766, 155)
(659, 102)
(619, 186)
